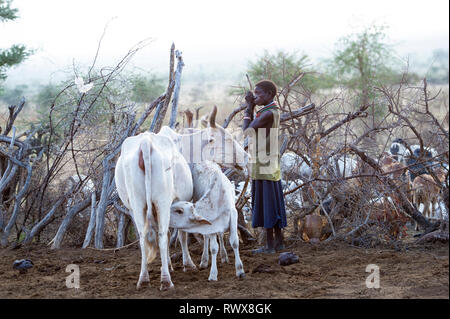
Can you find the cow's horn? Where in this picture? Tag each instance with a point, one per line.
(212, 117)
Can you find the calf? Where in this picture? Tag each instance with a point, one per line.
(385, 212)
(418, 162)
(212, 213)
(426, 191)
(397, 172)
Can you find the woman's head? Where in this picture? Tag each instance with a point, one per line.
(265, 92)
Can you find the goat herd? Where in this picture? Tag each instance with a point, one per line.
(409, 168)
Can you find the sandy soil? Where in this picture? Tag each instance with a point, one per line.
(333, 270)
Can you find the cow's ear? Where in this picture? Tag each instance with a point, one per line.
(199, 220)
(203, 222)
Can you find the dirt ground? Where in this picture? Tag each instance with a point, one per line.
(332, 270)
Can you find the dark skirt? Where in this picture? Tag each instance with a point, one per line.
(268, 208)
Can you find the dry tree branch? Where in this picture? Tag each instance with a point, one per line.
(180, 65)
(162, 107)
(233, 114)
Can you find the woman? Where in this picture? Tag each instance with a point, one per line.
(268, 209)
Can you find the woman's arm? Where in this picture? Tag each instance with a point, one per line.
(248, 114)
(263, 121)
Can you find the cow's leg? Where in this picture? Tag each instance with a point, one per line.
(139, 222)
(168, 252)
(139, 213)
(426, 209)
(214, 250)
(188, 264)
(433, 208)
(132, 191)
(222, 250)
(234, 242)
(163, 216)
(205, 254)
(143, 276)
(416, 202)
(441, 214)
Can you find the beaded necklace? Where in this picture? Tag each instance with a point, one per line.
(266, 108)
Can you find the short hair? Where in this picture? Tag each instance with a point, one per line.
(268, 87)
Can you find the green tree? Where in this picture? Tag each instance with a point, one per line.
(44, 98)
(17, 53)
(145, 89)
(438, 71)
(12, 96)
(282, 67)
(363, 61)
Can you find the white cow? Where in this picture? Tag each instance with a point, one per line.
(212, 213)
(169, 178)
(88, 186)
(293, 167)
(213, 143)
(150, 174)
(342, 166)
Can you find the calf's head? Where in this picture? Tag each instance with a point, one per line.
(184, 216)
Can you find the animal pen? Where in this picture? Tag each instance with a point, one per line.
(57, 186)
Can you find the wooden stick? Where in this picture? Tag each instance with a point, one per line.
(249, 82)
(91, 225)
(176, 90)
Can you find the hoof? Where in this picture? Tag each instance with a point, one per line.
(203, 265)
(166, 285)
(241, 275)
(212, 278)
(187, 268)
(140, 282)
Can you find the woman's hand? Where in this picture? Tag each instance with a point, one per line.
(250, 99)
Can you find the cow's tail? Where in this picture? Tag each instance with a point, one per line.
(149, 232)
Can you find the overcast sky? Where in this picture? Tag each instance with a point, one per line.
(211, 31)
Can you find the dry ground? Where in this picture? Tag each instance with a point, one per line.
(333, 270)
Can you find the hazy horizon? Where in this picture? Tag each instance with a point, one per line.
(222, 37)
